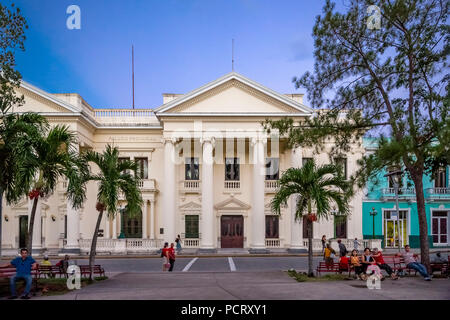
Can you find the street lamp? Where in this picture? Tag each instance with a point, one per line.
(395, 177)
(373, 213)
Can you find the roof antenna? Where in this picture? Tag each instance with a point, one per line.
(232, 54)
(132, 66)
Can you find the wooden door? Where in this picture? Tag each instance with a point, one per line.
(232, 232)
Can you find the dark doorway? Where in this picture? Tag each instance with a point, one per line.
(23, 231)
(232, 232)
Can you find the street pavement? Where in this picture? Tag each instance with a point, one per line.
(263, 285)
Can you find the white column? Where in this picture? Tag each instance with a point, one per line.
(73, 223)
(207, 218)
(168, 194)
(258, 216)
(114, 223)
(106, 232)
(152, 219)
(144, 221)
(73, 229)
(296, 226)
(37, 234)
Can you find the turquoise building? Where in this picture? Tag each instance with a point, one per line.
(379, 197)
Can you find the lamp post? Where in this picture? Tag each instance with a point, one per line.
(395, 177)
(373, 213)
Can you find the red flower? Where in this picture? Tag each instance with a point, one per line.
(34, 194)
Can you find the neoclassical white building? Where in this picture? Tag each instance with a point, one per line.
(208, 171)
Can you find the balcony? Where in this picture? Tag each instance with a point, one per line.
(190, 186)
(438, 194)
(271, 186)
(232, 186)
(147, 185)
(273, 243)
(125, 117)
(403, 193)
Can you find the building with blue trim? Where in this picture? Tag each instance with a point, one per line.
(379, 197)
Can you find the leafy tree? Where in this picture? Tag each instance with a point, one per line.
(17, 134)
(53, 156)
(316, 189)
(389, 81)
(12, 37)
(113, 179)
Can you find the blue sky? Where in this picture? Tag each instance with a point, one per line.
(179, 46)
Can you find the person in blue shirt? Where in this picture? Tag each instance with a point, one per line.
(23, 265)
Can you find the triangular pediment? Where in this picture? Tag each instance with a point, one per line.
(191, 206)
(233, 94)
(232, 204)
(37, 100)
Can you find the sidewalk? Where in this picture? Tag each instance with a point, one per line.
(275, 285)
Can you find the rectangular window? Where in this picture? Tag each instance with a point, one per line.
(272, 168)
(305, 160)
(142, 170)
(440, 181)
(122, 160)
(231, 169)
(342, 162)
(191, 169)
(340, 226)
(272, 227)
(65, 227)
(439, 225)
(191, 227)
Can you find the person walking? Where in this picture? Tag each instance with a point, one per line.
(165, 257)
(355, 244)
(411, 263)
(23, 265)
(328, 256)
(178, 242)
(171, 255)
(342, 249)
(324, 242)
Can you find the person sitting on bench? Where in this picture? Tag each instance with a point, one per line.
(381, 264)
(23, 265)
(411, 263)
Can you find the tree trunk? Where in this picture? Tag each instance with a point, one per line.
(94, 244)
(423, 224)
(30, 226)
(310, 249)
(1, 219)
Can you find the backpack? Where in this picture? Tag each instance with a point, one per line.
(162, 253)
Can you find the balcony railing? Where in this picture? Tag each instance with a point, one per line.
(122, 245)
(190, 186)
(124, 117)
(147, 184)
(232, 185)
(271, 186)
(191, 243)
(402, 193)
(273, 243)
(438, 193)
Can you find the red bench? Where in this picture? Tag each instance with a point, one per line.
(7, 273)
(52, 271)
(96, 269)
(323, 267)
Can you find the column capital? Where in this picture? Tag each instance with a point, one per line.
(211, 140)
(256, 140)
(171, 140)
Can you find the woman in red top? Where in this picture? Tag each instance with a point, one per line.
(171, 256)
(165, 256)
(381, 264)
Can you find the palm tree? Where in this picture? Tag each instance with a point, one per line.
(315, 188)
(17, 134)
(53, 156)
(114, 178)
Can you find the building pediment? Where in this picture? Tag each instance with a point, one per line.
(37, 100)
(232, 204)
(232, 94)
(190, 206)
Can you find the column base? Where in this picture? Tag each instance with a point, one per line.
(70, 250)
(258, 251)
(206, 251)
(297, 250)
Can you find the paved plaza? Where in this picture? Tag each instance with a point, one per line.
(268, 285)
